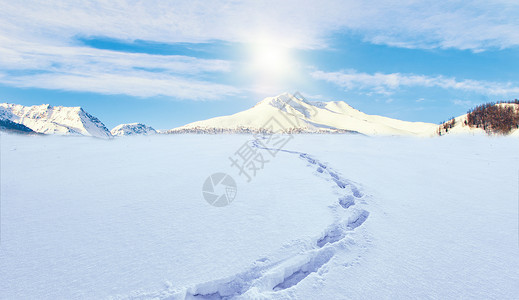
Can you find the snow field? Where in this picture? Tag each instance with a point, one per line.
(331, 216)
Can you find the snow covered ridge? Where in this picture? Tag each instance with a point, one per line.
(132, 129)
(490, 118)
(60, 120)
(293, 113)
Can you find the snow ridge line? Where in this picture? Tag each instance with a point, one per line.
(265, 278)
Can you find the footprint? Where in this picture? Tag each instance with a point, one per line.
(334, 175)
(226, 287)
(358, 219)
(340, 184)
(347, 201)
(356, 192)
(334, 234)
(304, 270)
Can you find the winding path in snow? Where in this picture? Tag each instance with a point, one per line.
(266, 278)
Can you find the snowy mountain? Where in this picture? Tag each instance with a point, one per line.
(132, 129)
(54, 119)
(293, 113)
(488, 117)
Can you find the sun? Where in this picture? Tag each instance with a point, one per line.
(270, 58)
(272, 64)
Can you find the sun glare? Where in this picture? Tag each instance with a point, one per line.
(270, 58)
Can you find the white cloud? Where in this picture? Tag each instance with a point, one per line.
(136, 83)
(475, 25)
(41, 36)
(386, 84)
(27, 55)
(74, 68)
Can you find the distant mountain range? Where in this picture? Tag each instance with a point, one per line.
(284, 113)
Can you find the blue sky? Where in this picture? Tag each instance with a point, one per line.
(168, 63)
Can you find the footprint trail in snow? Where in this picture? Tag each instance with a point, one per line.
(270, 276)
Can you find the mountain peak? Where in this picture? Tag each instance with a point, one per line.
(286, 98)
(289, 103)
(293, 113)
(132, 129)
(49, 119)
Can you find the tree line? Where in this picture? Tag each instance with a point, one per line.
(495, 118)
(492, 117)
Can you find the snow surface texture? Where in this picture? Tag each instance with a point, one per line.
(294, 112)
(55, 119)
(125, 219)
(132, 129)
